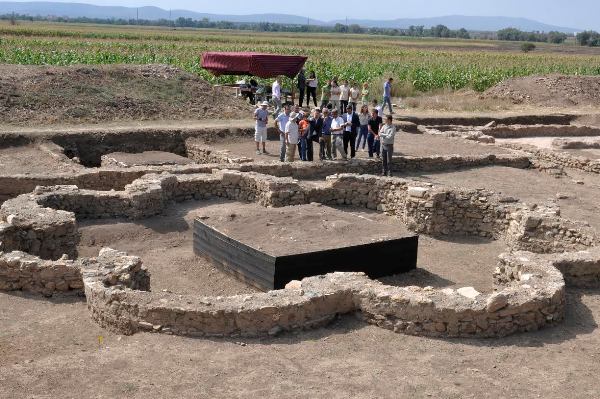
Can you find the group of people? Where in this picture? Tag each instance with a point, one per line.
(339, 128)
(334, 95)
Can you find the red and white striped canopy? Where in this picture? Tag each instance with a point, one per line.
(255, 64)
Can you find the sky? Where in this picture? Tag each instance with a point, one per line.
(582, 14)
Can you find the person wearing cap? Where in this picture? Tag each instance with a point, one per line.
(280, 122)
(261, 116)
(337, 133)
(387, 134)
(291, 137)
(325, 140)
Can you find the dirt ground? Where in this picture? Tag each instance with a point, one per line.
(546, 143)
(146, 158)
(51, 348)
(405, 144)
(581, 189)
(549, 90)
(41, 95)
(300, 229)
(18, 160)
(164, 244)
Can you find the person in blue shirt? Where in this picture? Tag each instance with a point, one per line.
(387, 95)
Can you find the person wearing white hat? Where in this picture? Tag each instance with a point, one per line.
(261, 116)
(291, 137)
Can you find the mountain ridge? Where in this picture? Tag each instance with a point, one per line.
(75, 10)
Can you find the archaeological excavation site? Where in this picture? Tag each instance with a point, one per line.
(156, 244)
(263, 248)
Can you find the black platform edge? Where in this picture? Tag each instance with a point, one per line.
(266, 272)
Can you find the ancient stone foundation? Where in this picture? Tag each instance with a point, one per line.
(529, 292)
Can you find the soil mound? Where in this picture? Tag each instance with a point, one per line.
(550, 90)
(34, 95)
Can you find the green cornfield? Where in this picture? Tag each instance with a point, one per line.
(426, 64)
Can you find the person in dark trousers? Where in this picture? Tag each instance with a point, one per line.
(325, 140)
(387, 134)
(301, 86)
(363, 132)
(387, 95)
(352, 124)
(311, 88)
(315, 131)
(375, 123)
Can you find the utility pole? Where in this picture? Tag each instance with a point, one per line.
(137, 16)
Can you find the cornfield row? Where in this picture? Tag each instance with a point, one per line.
(361, 58)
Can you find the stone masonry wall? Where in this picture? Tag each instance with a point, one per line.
(531, 298)
(24, 272)
(555, 157)
(43, 223)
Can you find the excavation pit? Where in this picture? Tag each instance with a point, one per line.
(267, 248)
(146, 158)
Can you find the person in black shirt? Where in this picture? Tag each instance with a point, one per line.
(375, 123)
(352, 123)
(301, 85)
(315, 131)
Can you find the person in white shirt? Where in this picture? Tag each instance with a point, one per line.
(276, 95)
(378, 107)
(335, 95)
(291, 137)
(337, 133)
(312, 83)
(344, 96)
(387, 134)
(280, 122)
(354, 93)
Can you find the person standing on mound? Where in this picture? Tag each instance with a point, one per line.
(261, 116)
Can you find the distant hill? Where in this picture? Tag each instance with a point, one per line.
(75, 10)
(467, 22)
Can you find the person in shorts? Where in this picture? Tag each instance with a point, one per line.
(261, 116)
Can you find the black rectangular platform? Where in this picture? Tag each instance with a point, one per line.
(268, 272)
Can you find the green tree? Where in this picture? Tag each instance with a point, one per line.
(527, 47)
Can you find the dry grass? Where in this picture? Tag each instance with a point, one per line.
(462, 100)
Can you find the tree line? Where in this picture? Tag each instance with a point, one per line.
(587, 38)
(516, 35)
